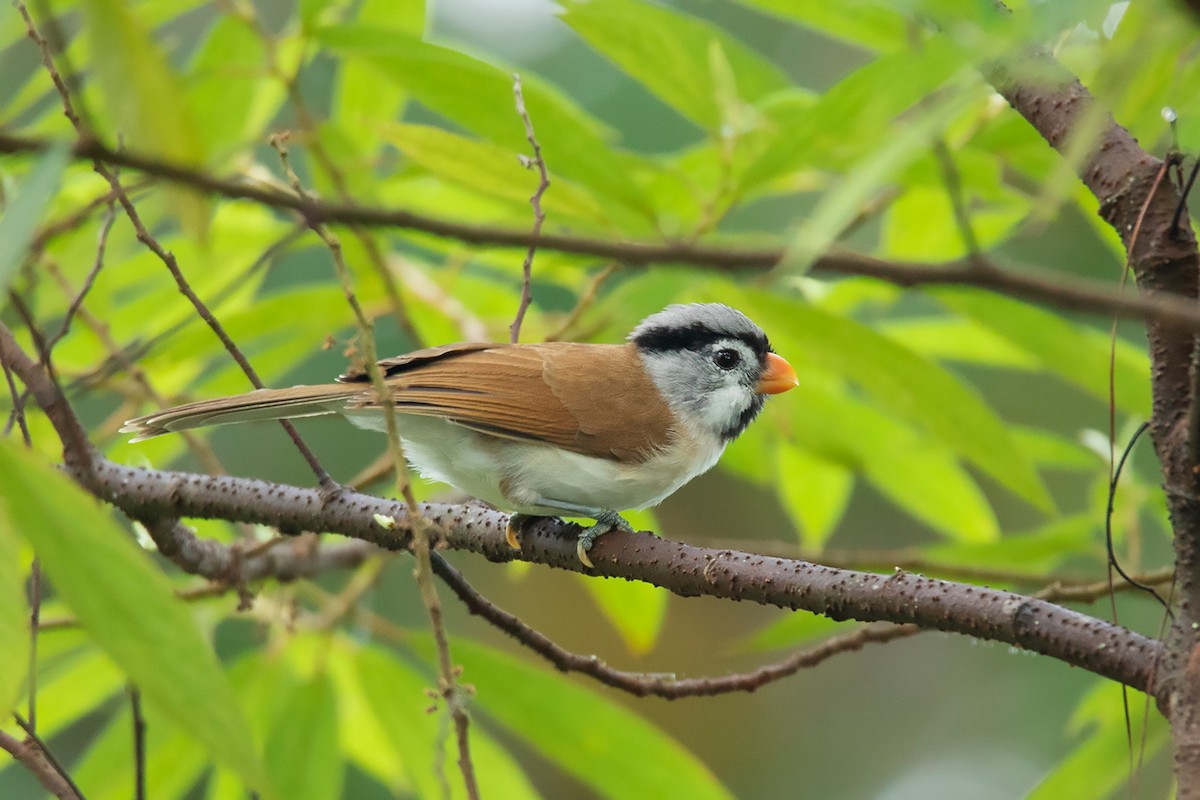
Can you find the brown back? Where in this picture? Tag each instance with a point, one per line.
(594, 399)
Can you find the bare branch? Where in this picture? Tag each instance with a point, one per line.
(33, 759)
(43, 752)
(514, 330)
(641, 684)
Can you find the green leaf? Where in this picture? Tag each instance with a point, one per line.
(1040, 550)
(127, 606)
(231, 92)
(1076, 352)
(144, 97)
(479, 97)
(302, 752)
(914, 472)
(21, 217)
(815, 492)
(859, 114)
(798, 627)
(869, 23)
(364, 741)
(173, 763)
(842, 203)
(399, 698)
(1048, 449)
(636, 609)
(1099, 765)
(921, 224)
(898, 379)
(926, 481)
(489, 169)
(613, 751)
(956, 339)
(14, 622)
(362, 102)
(74, 685)
(672, 55)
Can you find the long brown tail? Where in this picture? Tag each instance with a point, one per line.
(263, 404)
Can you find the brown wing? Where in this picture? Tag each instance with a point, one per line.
(591, 399)
(397, 364)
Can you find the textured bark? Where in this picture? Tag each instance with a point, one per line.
(1140, 203)
(1036, 625)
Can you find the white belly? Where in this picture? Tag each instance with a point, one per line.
(519, 476)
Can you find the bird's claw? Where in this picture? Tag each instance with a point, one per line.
(610, 521)
(512, 531)
(582, 545)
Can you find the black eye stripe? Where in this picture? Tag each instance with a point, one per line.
(696, 337)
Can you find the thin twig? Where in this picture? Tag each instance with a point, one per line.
(1091, 592)
(585, 301)
(56, 42)
(44, 751)
(35, 614)
(1185, 190)
(958, 203)
(196, 445)
(17, 414)
(78, 298)
(52, 230)
(450, 690)
(166, 257)
(642, 684)
(30, 756)
(283, 568)
(1108, 515)
(139, 743)
(123, 358)
(73, 307)
(539, 216)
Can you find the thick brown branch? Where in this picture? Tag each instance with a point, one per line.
(689, 571)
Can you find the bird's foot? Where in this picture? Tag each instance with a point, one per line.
(514, 529)
(605, 522)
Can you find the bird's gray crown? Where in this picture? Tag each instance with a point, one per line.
(695, 325)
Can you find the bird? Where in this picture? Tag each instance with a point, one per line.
(549, 429)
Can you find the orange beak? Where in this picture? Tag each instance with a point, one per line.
(777, 377)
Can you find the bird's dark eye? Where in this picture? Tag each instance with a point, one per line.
(726, 358)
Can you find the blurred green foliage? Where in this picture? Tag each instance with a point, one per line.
(915, 405)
